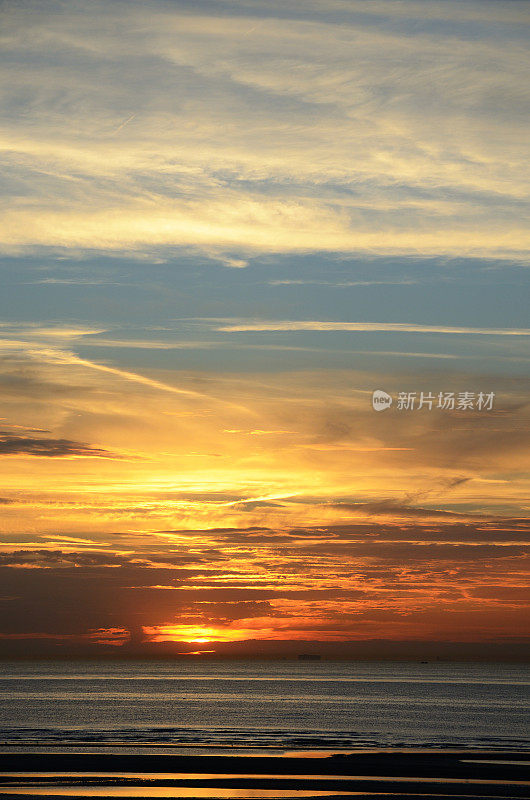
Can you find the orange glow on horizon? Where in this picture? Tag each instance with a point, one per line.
(193, 634)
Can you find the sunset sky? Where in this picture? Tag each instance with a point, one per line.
(225, 224)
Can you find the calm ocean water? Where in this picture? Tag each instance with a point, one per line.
(263, 705)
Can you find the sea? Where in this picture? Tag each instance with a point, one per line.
(199, 707)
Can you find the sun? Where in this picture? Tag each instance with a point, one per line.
(192, 634)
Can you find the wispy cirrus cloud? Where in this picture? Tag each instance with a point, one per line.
(375, 147)
(421, 152)
(388, 327)
(341, 284)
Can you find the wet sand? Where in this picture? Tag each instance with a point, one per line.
(389, 774)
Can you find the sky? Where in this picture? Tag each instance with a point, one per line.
(226, 224)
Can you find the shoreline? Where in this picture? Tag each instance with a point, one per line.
(379, 762)
(456, 773)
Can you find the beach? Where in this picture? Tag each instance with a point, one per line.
(267, 707)
(264, 399)
(253, 730)
(372, 775)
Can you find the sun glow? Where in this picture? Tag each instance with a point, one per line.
(192, 634)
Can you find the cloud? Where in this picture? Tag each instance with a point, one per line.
(336, 581)
(325, 144)
(307, 444)
(341, 284)
(394, 508)
(34, 330)
(44, 351)
(92, 557)
(56, 558)
(11, 445)
(387, 327)
(261, 502)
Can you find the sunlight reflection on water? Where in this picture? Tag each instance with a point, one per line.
(155, 791)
